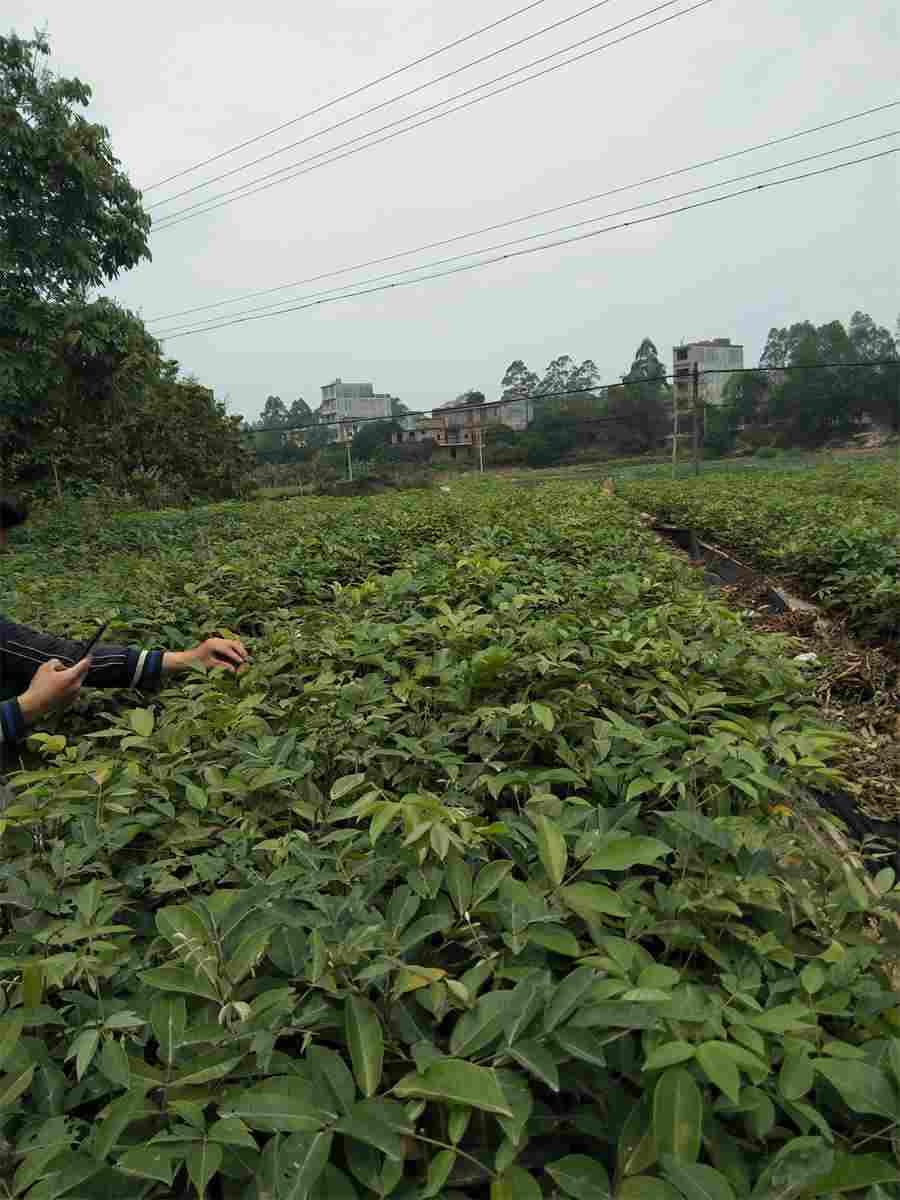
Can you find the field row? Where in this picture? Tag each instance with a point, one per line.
(486, 879)
(833, 530)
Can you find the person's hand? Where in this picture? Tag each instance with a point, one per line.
(52, 686)
(214, 652)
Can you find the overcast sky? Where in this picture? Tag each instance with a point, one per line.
(178, 82)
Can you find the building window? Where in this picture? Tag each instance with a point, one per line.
(681, 354)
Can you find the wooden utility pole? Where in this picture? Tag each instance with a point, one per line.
(675, 429)
(695, 389)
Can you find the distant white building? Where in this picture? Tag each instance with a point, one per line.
(719, 355)
(349, 405)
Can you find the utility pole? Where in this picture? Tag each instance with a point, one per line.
(695, 388)
(481, 451)
(675, 429)
(349, 463)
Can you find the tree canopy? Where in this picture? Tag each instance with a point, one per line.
(85, 390)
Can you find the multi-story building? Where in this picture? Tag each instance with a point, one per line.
(719, 355)
(349, 404)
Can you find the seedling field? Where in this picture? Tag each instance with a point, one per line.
(495, 875)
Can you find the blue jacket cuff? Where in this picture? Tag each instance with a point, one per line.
(12, 723)
(144, 668)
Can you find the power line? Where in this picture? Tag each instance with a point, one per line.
(386, 103)
(349, 95)
(535, 249)
(528, 216)
(598, 387)
(228, 197)
(276, 305)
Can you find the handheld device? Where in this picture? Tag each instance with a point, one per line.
(95, 639)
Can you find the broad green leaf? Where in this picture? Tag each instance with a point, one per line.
(247, 956)
(13, 1085)
(480, 1025)
(168, 1019)
(302, 1158)
(333, 1185)
(543, 715)
(567, 996)
(853, 1172)
(114, 1064)
(863, 1088)
(142, 721)
(366, 1043)
(10, 1032)
(551, 849)
(206, 1069)
(331, 1068)
(439, 1169)
(345, 785)
(582, 1177)
(636, 1151)
(366, 1122)
(592, 900)
(457, 1082)
(281, 1105)
(231, 1131)
(782, 1018)
(812, 977)
(719, 1069)
(203, 1160)
(119, 1115)
(488, 880)
(669, 1055)
(515, 1184)
(646, 1187)
(179, 979)
(621, 854)
(459, 883)
(538, 1061)
(677, 1115)
(581, 1044)
(796, 1076)
(148, 1162)
(697, 1182)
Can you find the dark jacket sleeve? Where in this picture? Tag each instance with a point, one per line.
(23, 650)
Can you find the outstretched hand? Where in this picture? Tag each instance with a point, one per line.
(52, 686)
(214, 652)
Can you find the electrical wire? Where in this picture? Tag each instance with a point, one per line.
(598, 387)
(417, 62)
(535, 249)
(229, 197)
(385, 104)
(276, 305)
(372, 262)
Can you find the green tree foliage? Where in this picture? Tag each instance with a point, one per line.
(85, 391)
(518, 383)
(813, 402)
(468, 399)
(639, 408)
(372, 440)
(69, 218)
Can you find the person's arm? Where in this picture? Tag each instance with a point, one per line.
(214, 652)
(24, 650)
(52, 686)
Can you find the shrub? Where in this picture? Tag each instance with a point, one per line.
(494, 873)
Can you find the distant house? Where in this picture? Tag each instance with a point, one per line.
(346, 405)
(459, 428)
(718, 356)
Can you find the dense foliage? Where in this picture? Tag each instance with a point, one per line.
(488, 877)
(86, 395)
(834, 528)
